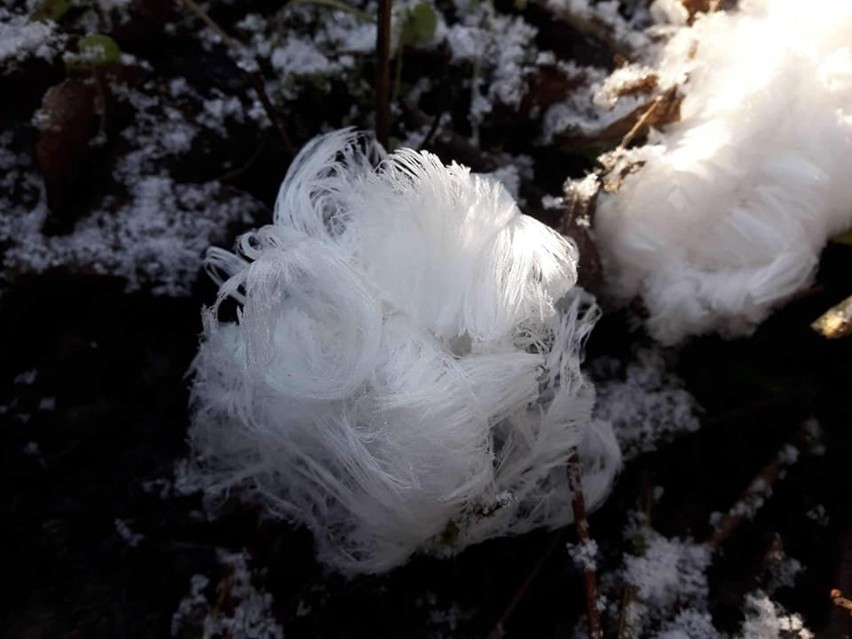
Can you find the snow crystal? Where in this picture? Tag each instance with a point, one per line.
(501, 50)
(647, 407)
(690, 624)
(154, 234)
(584, 554)
(509, 176)
(26, 378)
(590, 107)
(818, 514)
(161, 486)
(668, 572)
(609, 23)
(192, 607)
(131, 538)
(783, 572)
(32, 449)
(21, 38)
(768, 620)
(467, 43)
(155, 240)
(300, 57)
(247, 614)
(307, 48)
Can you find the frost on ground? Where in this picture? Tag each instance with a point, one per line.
(129, 537)
(21, 39)
(666, 577)
(662, 590)
(766, 618)
(239, 610)
(148, 228)
(501, 51)
(646, 404)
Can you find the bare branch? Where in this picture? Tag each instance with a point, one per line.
(383, 73)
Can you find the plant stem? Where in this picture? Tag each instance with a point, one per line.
(590, 579)
(500, 627)
(383, 81)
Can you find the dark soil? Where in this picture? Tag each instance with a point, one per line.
(116, 364)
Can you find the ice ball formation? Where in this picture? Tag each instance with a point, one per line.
(728, 213)
(404, 372)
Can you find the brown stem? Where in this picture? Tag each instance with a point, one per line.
(448, 142)
(590, 580)
(254, 77)
(206, 19)
(840, 621)
(759, 490)
(631, 600)
(257, 83)
(665, 101)
(838, 599)
(433, 129)
(592, 28)
(383, 73)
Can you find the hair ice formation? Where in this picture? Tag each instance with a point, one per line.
(404, 374)
(728, 213)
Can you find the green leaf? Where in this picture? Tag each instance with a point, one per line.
(94, 50)
(450, 534)
(418, 30)
(50, 10)
(99, 48)
(843, 238)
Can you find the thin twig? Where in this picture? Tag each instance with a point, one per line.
(590, 27)
(665, 99)
(239, 171)
(759, 490)
(383, 81)
(500, 627)
(259, 86)
(254, 77)
(839, 624)
(590, 579)
(581, 522)
(433, 129)
(836, 322)
(773, 554)
(631, 600)
(206, 19)
(838, 599)
(450, 142)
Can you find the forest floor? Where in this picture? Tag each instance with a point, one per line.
(166, 146)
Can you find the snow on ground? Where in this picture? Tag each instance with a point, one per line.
(645, 402)
(238, 609)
